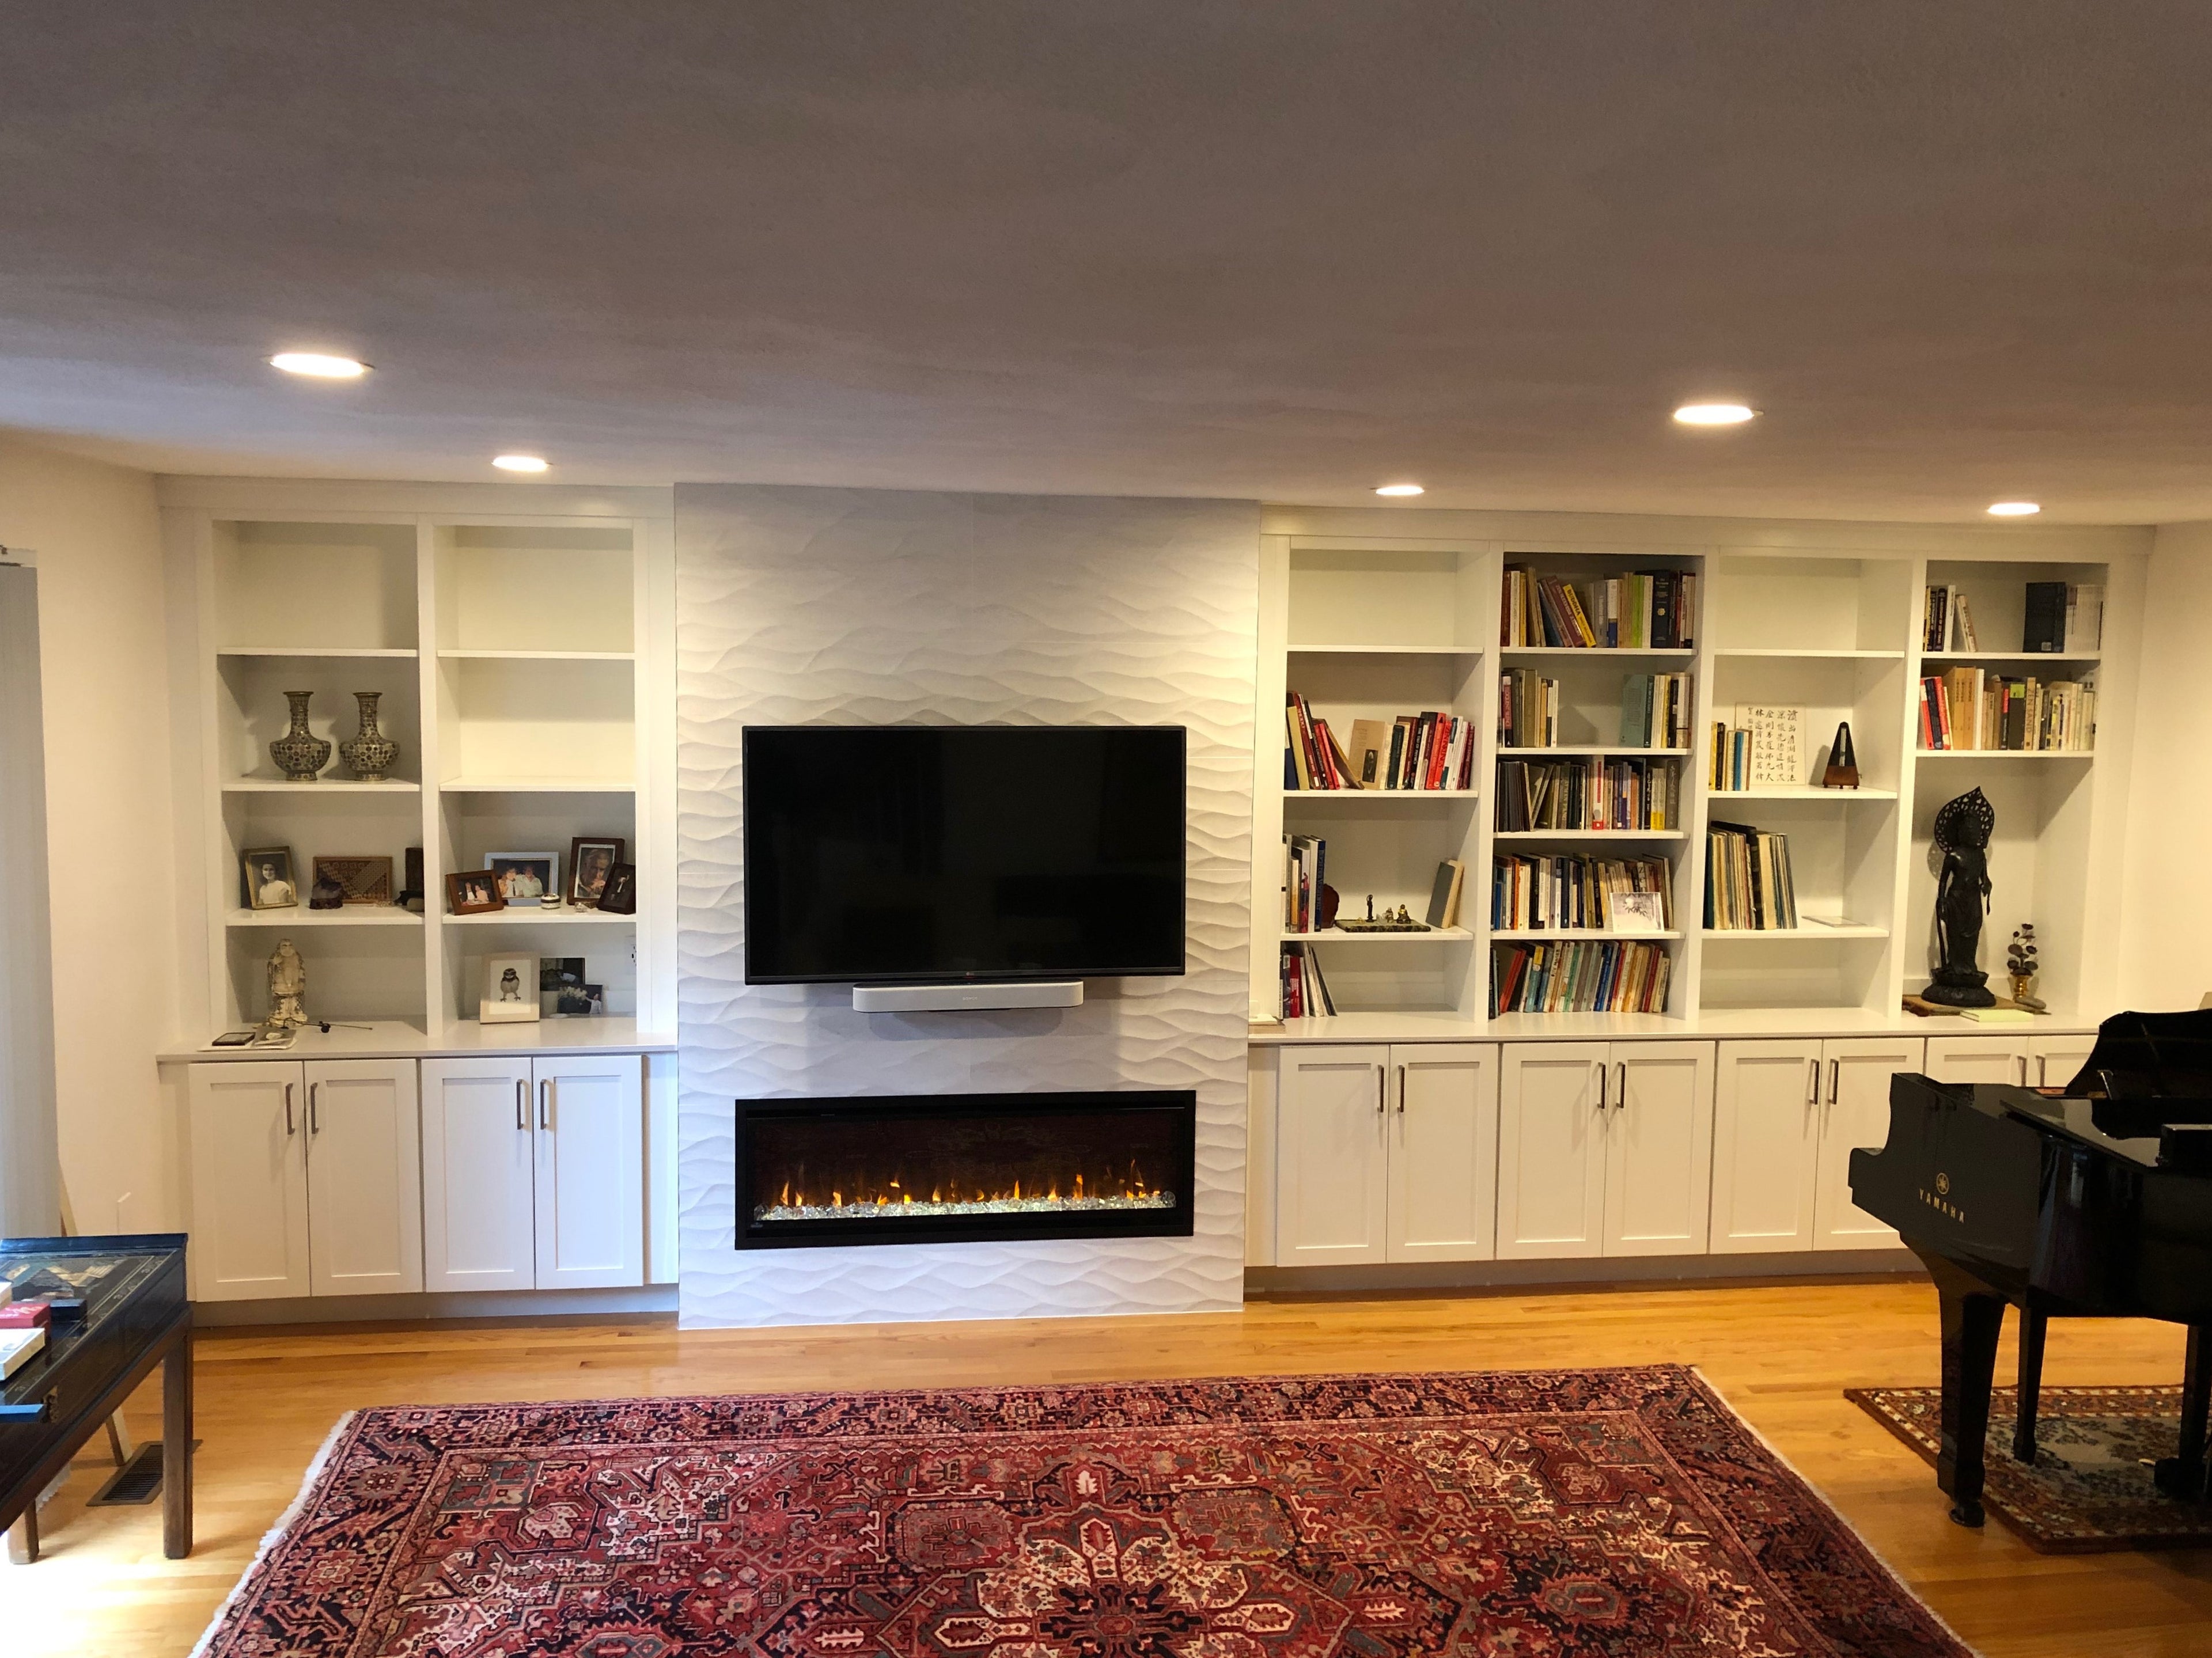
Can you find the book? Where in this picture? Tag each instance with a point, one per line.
(1593, 792)
(1370, 753)
(1646, 610)
(19, 1347)
(1305, 990)
(1443, 893)
(24, 1314)
(1580, 975)
(1749, 887)
(2043, 626)
(1532, 891)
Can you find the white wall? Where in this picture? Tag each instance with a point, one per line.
(2167, 903)
(103, 640)
(878, 606)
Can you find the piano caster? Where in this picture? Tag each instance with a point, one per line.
(1967, 1514)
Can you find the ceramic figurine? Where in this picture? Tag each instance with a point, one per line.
(369, 754)
(299, 753)
(288, 988)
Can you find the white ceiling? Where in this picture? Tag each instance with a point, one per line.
(1284, 251)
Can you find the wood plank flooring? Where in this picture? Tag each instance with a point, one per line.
(1781, 1354)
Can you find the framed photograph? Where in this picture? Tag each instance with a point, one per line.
(267, 872)
(510, 991)
(589, 860)
(525, 878)
(360, 880)
(1639, 912)
(472, 892)
(559, 978)
(619, 896)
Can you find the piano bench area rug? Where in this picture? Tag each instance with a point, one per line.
(1620, 1512)
(2090, 1488)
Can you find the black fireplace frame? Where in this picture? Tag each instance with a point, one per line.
(1175, 1221)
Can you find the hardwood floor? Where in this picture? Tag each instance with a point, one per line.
(1780, 1354)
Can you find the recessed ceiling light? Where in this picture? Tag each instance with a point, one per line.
(317, 366)
(519, 463)
(1715, 414)
(2014, 509)
(1398, 490)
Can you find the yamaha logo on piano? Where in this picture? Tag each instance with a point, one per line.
(1935, 1199)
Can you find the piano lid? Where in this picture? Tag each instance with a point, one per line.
(2145, 1056)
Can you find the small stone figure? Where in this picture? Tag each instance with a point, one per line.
(288, 988)
(1370, 906)
(326, 893)
(1963, 828)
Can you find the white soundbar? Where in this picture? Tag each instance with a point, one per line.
(962, 999)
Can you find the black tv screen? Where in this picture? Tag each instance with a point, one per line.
(946, 854)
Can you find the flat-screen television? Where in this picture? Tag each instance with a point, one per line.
(954, 854)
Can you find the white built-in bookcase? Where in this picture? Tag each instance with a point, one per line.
(1370, 614)
(523, 641)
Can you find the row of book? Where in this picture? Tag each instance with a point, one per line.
(1598, 792)
(1748, 887)
(1544, 890)
(1650, 610)
(1580, 975)
(2057, 618)
(1417, 752)
(1305, 865)
(1970, 708)
(1655, 710)
(1528, 710)
(1305, 992)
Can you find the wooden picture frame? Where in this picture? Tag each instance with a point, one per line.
(268, 879)
(365, 880)
(619, 896)
(472, 892)
(590, 857)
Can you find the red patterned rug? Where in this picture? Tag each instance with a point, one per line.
(1617, 1512)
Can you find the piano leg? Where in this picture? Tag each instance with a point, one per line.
(2183, 1476)
(1972, 1319)
(2031, 1384)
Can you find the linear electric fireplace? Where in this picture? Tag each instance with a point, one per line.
(959, 1167)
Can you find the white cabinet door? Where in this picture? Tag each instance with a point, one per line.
(1332, 1191)
(2053, 1060)
(249, 1229)
(479, 1222)
(1766, 1115)
(1978, 1059)
(1854, 1113)
(1550, 1150)
(1659, 1155)
(1442, 1137)
(364, 1177)
(591, 1171)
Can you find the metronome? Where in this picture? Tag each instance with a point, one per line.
(1842, 771)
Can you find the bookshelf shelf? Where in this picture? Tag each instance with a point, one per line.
(1386, 650)
(1815, 656)
(2004, 754)
(2066, 657)
(534, 656)
(1524, 835)
(352, 915)
(320, 786)
(316, 653)
(1802, 791)
(1808, 930)
(1610, 751)
(1511, 935)
(536, 786)
(525, 916)
(1593, 652)
(1439, 935)
(1378, 796)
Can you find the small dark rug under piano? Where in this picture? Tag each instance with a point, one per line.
(2090, 1488)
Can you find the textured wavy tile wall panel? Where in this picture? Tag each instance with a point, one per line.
(878, 606)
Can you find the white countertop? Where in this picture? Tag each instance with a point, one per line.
(385, 1039)
(1720, 1023)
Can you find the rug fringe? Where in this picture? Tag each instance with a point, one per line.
(1841, 1519)
(276, 1534)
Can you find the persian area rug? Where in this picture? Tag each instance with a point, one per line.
(1618, 1512)
(2090, 1488)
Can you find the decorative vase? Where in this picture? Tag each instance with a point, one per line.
(2023, 989)
(370, 755)
(299, 753)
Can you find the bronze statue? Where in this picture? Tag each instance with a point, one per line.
(1963, 828)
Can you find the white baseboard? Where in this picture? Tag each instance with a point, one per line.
(1598, 1274)
(537, 1305)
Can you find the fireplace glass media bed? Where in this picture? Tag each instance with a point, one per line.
(944, 1168)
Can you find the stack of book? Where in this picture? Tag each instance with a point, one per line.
(1595, 792)
(1413, 751)
(1528, 710)
(1580, 976)
(1305, 863)
(1655, 710)
(1544, 890)
(2063, 618)
(1947, 622)
(1748, 882)
(1305, 993)
(1651, 609)
(1970, 708)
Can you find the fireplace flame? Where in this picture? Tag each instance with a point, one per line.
(871, 1195)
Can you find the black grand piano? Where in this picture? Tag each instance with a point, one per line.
(2093, 1200)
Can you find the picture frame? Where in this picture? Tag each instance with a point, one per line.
(365, 880)
(1638, 913)
(560, 981)
(510, 990)
(619, 896)
(472, 892)
(590, 858)
(525, 878)
(266, 879)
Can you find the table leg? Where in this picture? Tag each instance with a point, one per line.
(1970, 1323)
(176, 1445)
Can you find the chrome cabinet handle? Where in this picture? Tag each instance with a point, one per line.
(1600, 1086)
(2022, 1057)
(1813, 1082)
(544, 1088)
(314, 1117)
(2043, 1071)
(1401, 1091)
(1620, 1088)
(522, 1104)
(289, 1130)
(1835, 1080)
